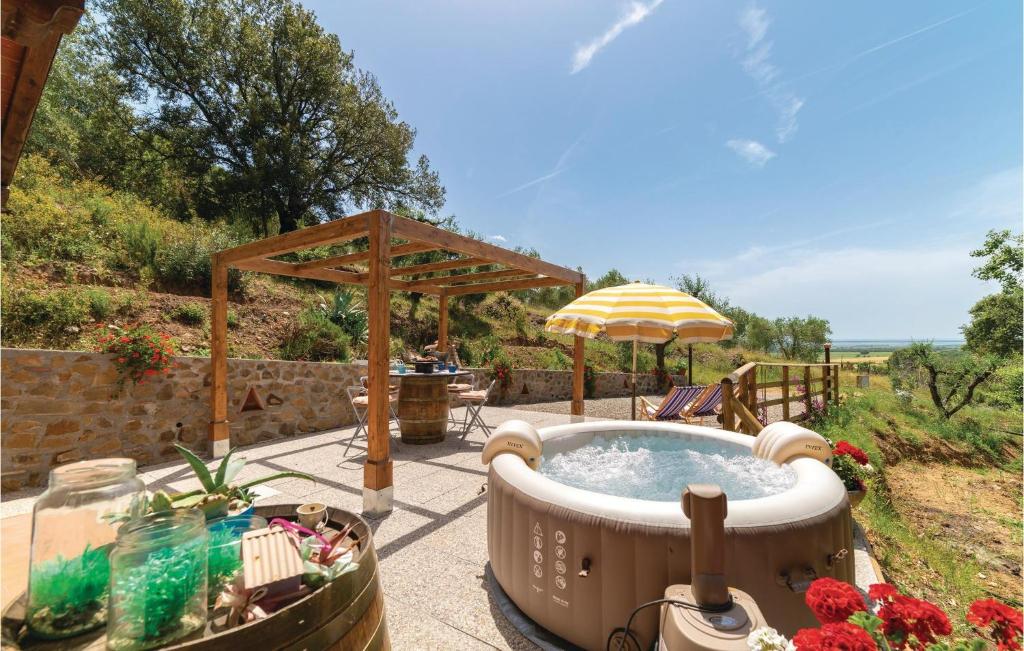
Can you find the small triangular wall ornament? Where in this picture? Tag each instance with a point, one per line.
(274, 400)
(525, 391)
(252, 401)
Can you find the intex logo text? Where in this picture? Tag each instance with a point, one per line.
(513, 444)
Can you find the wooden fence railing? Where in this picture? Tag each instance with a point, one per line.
(798, 383)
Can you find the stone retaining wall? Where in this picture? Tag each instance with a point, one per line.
(61, 406)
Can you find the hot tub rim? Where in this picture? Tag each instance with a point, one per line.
(817, 490)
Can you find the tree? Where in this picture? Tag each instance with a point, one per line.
(793, 337)
(611, 278)
(259, 92)
(996, 324)
(1005, 259)
(952, 377)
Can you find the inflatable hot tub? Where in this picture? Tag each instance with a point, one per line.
(578, 562)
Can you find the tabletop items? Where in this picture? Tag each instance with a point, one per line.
(98, 558)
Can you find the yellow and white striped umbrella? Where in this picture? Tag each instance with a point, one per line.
(640, 312)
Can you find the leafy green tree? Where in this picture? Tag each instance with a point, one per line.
(611, 278)
(794, 337)
(952, 377)
(997, 324)
(1004, 253)
(259, 98)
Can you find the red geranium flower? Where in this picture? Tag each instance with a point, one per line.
(858, 455)
(840, 636)
(1007, 623)
(907, 621)
(833, 601)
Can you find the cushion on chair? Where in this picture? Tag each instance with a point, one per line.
(473, 396)
(459, 388)
(364, 401)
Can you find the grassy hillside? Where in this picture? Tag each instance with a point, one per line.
(943, 511)
(76, 254)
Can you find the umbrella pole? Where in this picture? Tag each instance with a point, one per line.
(689, 363)
(634, 379)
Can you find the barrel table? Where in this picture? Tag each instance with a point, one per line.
(423, 405)
(345, 614)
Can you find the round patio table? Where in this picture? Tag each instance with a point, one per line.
(423, 405)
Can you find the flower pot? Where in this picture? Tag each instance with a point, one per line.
(855, 497)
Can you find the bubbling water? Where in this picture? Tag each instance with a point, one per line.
(658, 467)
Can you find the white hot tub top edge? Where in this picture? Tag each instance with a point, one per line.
(817, 489)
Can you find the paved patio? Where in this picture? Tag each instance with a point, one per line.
(432, 547)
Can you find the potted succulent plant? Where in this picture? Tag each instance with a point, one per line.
(850, 463)
(218, 496)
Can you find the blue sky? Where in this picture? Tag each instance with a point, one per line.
(839, 159)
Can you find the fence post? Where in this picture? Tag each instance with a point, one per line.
(728, 424)
(752, 392)
(807, 389)
(785, 393)
(835, 387)
(826, 393)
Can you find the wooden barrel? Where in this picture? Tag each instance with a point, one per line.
(423, 408)
(346, 614)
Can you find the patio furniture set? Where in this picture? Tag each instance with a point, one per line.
(423, 405)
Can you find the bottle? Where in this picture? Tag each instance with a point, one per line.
(74, 525)
(158, 580)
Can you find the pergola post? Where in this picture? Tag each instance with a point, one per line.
(220, 428)
(578, 362)
(378, 488)
(442, 321)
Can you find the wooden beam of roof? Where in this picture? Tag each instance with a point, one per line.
(330, 275)
(461, 279)
(445, 265)
(289, 269)
(363, 256)
(505, 286)
(413, 230)
(339, 230)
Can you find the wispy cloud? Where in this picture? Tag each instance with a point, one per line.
(757, 62)
(560, 166)
(635, 14)
(751, 151)
(497, 238)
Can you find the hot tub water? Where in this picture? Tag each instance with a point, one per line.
(653, 467)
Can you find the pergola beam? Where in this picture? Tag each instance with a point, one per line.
(363, 256)
(456, 280)
(340, 230)
(444, 265)
(409, 229)
(280, 268)
(505, 286)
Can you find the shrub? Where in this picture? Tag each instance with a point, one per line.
(141, 242)
(99, 303)
(556, 360)
(184, 262)
(132, 304)
(138, 352)
(34, 317)
(232, 319)
(315, 338)
(345, 310)
(644, 358)
(190, 314)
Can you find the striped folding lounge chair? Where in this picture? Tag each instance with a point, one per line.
(673, 405)
(710, 404)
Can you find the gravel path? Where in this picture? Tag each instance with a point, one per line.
(618, 408)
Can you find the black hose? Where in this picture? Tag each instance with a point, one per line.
(675, 602)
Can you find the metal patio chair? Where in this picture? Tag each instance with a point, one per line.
(475, 401)
(360, 405)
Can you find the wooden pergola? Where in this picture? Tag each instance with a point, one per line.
(379, 269)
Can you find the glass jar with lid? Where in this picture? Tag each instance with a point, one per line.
(158, 580)
(74, 525)
(225, 549)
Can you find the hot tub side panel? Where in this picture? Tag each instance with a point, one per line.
(538, 550)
